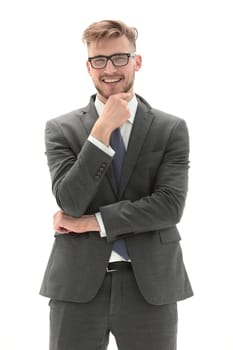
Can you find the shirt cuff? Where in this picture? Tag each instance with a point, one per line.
(101, 224)
(100, 145)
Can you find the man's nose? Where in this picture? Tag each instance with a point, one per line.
(110, 66)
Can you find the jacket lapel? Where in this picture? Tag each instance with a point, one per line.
(89, 116)
(142, 122)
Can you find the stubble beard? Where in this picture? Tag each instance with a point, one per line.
(126, 88)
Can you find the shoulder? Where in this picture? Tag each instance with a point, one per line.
(69, 118)
(162, 115)
(75, 116)
(156, 113)
(160, 118)
(165, 119)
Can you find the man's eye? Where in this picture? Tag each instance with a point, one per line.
(99, 61)
(119, 58)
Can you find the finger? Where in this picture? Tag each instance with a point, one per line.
(59, 212)
(62, 231)
(126, 96)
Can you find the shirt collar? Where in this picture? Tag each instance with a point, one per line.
(132, 104)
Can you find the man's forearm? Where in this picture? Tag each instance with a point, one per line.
(64, 223)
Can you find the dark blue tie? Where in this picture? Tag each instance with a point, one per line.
(117, 144)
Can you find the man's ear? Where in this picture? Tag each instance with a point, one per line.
(88, 65)
(138, 62)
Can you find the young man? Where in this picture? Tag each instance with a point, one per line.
(119, 172)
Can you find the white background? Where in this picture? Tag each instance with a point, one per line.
(187, 71)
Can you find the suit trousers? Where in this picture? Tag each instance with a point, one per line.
(118, 308)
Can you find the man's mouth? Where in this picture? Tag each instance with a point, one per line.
(111, 81)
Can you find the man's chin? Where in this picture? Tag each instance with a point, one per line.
(106, 94)
(115, 92)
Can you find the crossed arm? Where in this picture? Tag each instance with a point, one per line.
(64, 223)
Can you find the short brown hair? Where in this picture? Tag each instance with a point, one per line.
(108, 29)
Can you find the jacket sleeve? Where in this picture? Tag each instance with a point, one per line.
(75, 176)
(164, 206)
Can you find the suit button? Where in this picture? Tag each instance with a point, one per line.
(98, 174)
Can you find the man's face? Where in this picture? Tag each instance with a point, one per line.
(110, 79)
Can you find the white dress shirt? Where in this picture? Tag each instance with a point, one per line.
(125, 133)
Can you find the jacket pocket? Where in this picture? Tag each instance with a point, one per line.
(169, 235)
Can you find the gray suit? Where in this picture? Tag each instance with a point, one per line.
(145, 212)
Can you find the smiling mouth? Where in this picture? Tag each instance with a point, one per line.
(111, 81)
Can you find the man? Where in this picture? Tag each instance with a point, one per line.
(116, 264)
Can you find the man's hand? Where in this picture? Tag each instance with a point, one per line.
(115, 113)
(63, 223)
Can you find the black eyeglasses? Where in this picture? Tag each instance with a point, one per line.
(118, 60)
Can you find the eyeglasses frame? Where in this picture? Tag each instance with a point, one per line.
(128, 54)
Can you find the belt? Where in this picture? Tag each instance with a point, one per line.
(118, 266)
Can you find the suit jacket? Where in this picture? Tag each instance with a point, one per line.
(144, 212)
